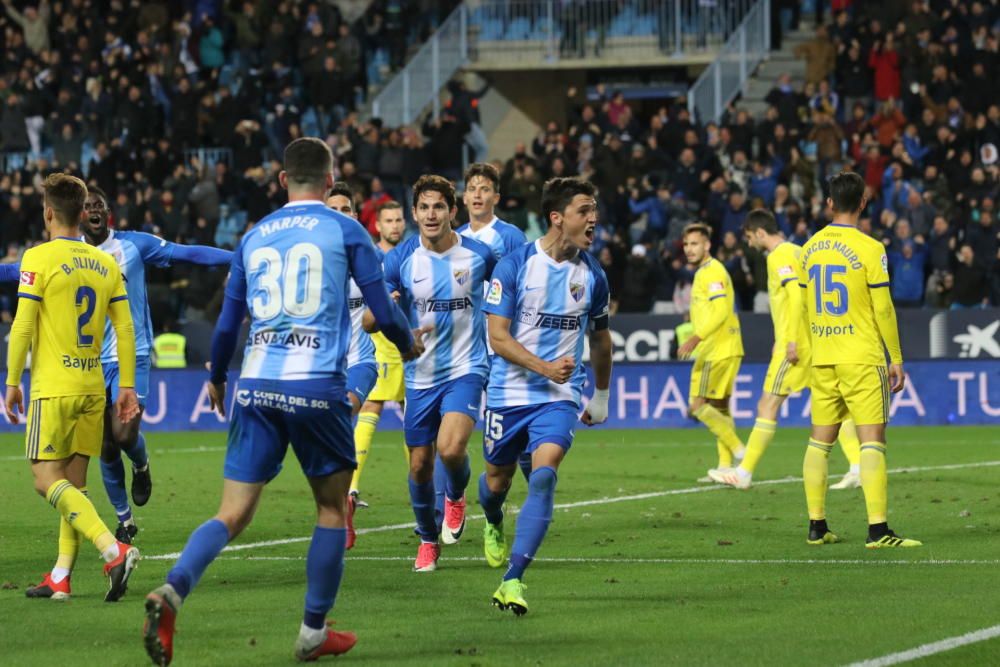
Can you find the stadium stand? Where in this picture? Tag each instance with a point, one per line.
(179, 111)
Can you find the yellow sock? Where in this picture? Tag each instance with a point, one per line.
(69, 542)
(850, 444)
(874, 481)
(815, 469)
(79, 513)
(722, 427)
(364, 431)
(760, 438)
(735, 445)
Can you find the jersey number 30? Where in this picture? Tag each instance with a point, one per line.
(830, 291)
(292, 284)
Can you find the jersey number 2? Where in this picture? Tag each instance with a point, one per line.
(298, 295)
(86, 299)
(831, 293)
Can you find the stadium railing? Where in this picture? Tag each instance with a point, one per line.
(552, 33)
(728, 74)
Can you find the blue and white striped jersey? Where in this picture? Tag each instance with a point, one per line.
(444, 290)
(362, 348)
(502, 237)
(292, 270)
(551, 306)
(133, 251)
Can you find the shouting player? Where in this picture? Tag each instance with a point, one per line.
(542, 300)
(790, 359)
(852, 323)
(292, 271)
(390, 385)
(717, 343)
(67, 289)
(133, 251)
(439, 275)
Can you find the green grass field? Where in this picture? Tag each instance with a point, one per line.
(665, 571)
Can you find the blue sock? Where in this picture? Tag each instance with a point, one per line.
(422, 500)
(440, 484)
(457, 480)
(202, 547)
(114, 483)
(138, 454)
(533, 522)
(324, 568)
(492, 502)
(524, 463)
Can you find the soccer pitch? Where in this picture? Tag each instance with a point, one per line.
(641, 566)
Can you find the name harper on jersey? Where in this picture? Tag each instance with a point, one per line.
(306, 222)
(837, 246)
(532, 317)
(81, 364)
(86, 264)
(293, 339)
(442, 305)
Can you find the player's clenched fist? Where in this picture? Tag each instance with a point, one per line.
(418, 342)
(560, 370)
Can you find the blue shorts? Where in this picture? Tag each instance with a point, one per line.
(510, 431)
(425, 407)
(268, 414)
(361, 380)
(111, 373)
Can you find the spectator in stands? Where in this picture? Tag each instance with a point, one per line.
(907, 268)
(885, 62)
(820, 55)
(640, 280)
(34, 22)
(970, 288)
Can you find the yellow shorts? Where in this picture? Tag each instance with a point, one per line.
(783, 378)
(390, 385)
(62, 426)
(859, 391)
(714, 379)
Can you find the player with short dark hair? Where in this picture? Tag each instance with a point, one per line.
(790, 365)
(716, 345)
(542, 299)
(439, 276)
(292, 271)
(66, 290)
(133, 251)
(852, 325)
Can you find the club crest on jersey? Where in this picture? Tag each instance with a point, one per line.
(461, 276)
(785, 271)
(716, 286)
(576, 291)
(28, 278)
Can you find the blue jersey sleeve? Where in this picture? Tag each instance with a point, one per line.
(513, 238)
(501, 299)
(202, 255)
(10, 273)
(152, 249)
(236, 285)
(362, 257)
(600, 301)
(484, 251)
(391, 265)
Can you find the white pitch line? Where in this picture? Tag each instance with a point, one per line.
(925, 650)
(659, 561)
(586, 503)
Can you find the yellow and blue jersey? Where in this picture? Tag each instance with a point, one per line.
(74, 285)
(791, 322)
(713, 313)
(842, 268)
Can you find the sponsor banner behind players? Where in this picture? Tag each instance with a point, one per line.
(642, 396)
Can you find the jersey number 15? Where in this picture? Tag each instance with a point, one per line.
(830, 291)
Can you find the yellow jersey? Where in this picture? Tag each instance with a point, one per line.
(67, 289)
(784, 277)
(385, 351)
(847, 298)
(713, 313)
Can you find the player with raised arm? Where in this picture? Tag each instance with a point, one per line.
(790, 364)
(67, 289)
(390, 384)
(716, 344)
(133, 251)
(292, 271)
(852, 324)
(439, 275)
(542, 300)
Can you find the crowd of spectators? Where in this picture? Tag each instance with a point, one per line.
(898, 91)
